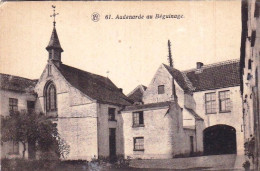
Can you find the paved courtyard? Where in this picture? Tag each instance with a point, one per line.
(215, 162)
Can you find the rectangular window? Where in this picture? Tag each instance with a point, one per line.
(111, 114)
(138, 119)
(224, 101)
(138, 143)
(13, 105)
(210, 103)
(30, 106)
(13, 147)
(161, 89)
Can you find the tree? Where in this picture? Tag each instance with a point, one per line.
(34, 128)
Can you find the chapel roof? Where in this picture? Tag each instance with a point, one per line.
(94, 86)
(15, 83)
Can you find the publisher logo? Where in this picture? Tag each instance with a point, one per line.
(95, 17)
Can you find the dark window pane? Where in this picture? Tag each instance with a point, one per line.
(111, 114)
(161, 89)
(141, 118)
(51, 98)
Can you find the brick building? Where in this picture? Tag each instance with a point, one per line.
(249, 79)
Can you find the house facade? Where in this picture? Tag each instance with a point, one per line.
(163, 124)
(206, 117)
(16, 94)
(218, 102)
(250, 85)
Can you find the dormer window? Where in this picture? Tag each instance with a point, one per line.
(161, 89)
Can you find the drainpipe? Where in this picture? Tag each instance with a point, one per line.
(196, 136)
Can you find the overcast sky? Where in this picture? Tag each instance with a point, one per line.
(131, 50)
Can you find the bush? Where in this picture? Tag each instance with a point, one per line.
(28, 165)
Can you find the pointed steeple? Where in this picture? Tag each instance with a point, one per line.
(54, 41)
(54, 47)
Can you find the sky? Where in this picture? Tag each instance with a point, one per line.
(131, 50)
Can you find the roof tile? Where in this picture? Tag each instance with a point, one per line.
(94, 86)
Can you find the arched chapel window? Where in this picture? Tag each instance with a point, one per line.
(50, 97)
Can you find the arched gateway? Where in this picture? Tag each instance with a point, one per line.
(219, 139)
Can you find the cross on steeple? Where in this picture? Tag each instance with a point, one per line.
(54, 48)
(54, 15)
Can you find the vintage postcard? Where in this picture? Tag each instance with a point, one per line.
(142, 85)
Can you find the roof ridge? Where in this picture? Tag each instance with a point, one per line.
(18, 77)
(187, 82)
(214, 64)
(139, 86)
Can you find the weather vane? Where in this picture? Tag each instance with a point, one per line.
(54, 15)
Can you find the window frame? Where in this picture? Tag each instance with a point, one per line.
(113, 118)
(211, 102)
(137, 117)
(134, 144)
(161, 91)
(30, 106)
(50, 97)
(13, 107)
(225, 99)
(15, 149)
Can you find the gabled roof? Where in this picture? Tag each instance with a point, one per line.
(54, 41)
(180, 78)
(215, 76)
(148, 106)
(137, 94)
(15, 83)
(193, 113)
(94, 86)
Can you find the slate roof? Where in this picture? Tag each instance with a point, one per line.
(15, 83)
(137, 94)
(181, 79)
(215, 76)
(196, 116)
(54, 41)
(147, 106)
(94, 86)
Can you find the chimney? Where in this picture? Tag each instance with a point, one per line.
(121, 90)
(199, 65)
